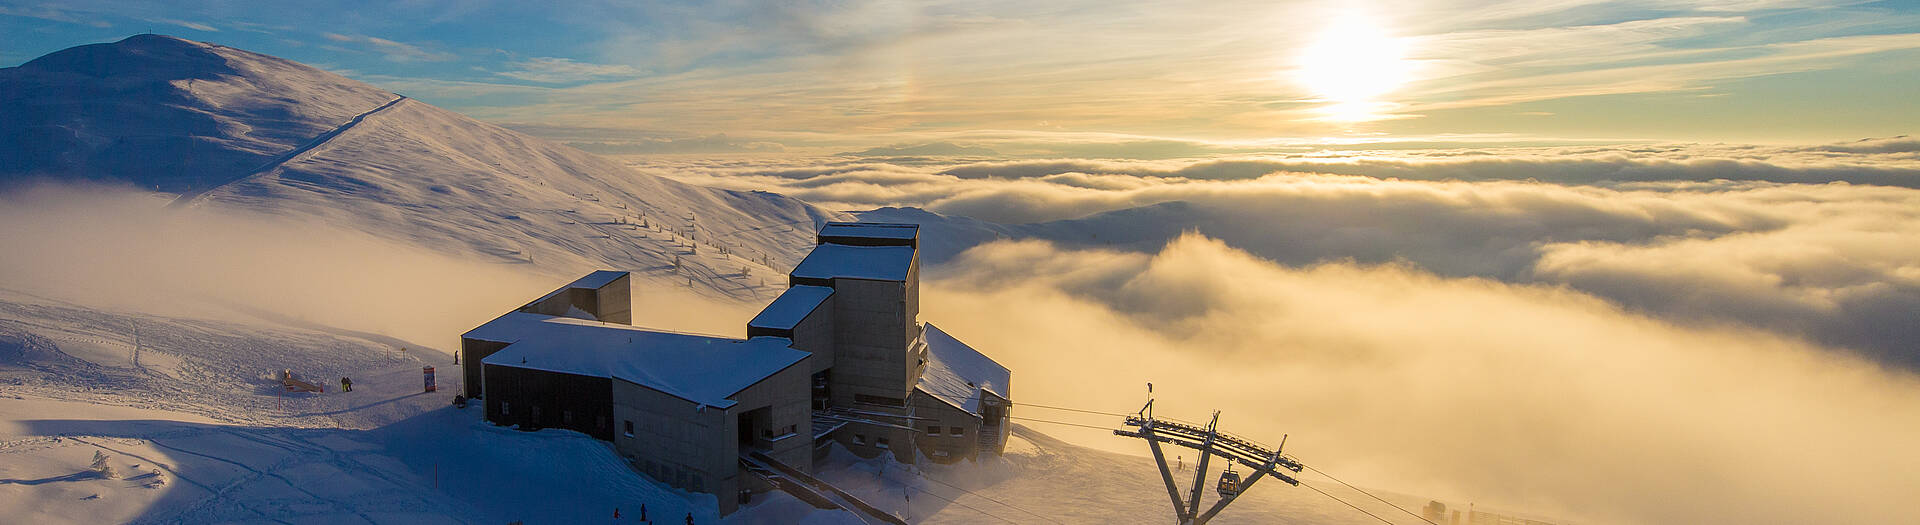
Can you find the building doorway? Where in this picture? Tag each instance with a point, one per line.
(754, 428)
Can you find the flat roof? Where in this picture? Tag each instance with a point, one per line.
(793, 305)
(880, 263)
(597, 279)
(702, 369)
(957, 374)
(871, 230)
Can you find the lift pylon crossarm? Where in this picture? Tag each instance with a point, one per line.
(1210, 442)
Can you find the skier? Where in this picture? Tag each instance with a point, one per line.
(616, 513)
(689, 518)
(346, 385)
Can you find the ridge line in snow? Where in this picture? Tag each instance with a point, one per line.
(194, 196)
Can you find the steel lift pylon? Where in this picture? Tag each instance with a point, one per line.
(1210, 442)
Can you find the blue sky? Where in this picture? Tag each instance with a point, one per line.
(748, 75)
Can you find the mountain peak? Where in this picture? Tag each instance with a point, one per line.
(166, 113)
(143, 55)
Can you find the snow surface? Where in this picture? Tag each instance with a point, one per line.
(699, 368)
(956, 373)
(267, 134)
(895, 231)
(880, 263)
(232, 446)
(791, 307)
(596, 280)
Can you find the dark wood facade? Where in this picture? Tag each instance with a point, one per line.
(536, 399)
(471, 352)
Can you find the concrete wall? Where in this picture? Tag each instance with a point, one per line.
(674, 441)
(613, 303)
(786, 393)
(471, 352)
(942, 446)
(678, 443)
(814, 334)
(871, 332)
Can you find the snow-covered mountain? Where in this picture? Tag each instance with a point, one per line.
(227, 127)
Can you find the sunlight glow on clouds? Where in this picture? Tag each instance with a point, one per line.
(1801, 241)
(1471, 389)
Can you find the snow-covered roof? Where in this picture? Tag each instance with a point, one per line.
(699, 368)
(871, 230)
(793, 305)
(957, 374)
(596, 280)
(880, 263)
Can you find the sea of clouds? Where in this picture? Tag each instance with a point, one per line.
(1647, 334)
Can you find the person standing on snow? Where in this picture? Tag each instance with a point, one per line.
(346, 385)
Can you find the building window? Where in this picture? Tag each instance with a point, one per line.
(940, 454)
(880, 442)
(933, 430)
(859, 439)
(629, 428)
(566, 417)
(957, 431)
(506, 409)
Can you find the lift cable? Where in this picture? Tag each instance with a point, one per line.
(1337, 498)
(1002, 503)
(1037, 420)
(1370, 495)
(962, 505)
(1020, 404)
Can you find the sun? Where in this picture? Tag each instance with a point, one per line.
(1352, 65)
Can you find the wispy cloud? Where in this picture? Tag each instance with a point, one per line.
(564, 71)
(197, 26)
(393, 51)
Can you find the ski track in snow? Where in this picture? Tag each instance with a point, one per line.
(189, 197)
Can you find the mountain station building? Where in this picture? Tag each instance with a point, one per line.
(840, 356)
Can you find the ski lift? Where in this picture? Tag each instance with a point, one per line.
(1229, 483)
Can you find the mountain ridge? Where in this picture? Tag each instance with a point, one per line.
(226, 127)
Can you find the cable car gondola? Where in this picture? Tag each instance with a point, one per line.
(1229, 483)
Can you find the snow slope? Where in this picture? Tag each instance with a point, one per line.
(225, 127)
(163, 112)
(199, 432)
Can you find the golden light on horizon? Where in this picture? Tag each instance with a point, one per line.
(1351, 66)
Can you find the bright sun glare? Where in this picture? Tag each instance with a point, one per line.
(1350, 66)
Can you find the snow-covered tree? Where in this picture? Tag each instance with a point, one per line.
(101, 466)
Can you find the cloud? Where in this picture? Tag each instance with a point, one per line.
(1528, 396)
(718, 143)
(1695, 235)
(552, 70)
(391, 50)
(121, 249)
(197, 26)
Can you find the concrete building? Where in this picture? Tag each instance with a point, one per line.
(841, 356)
